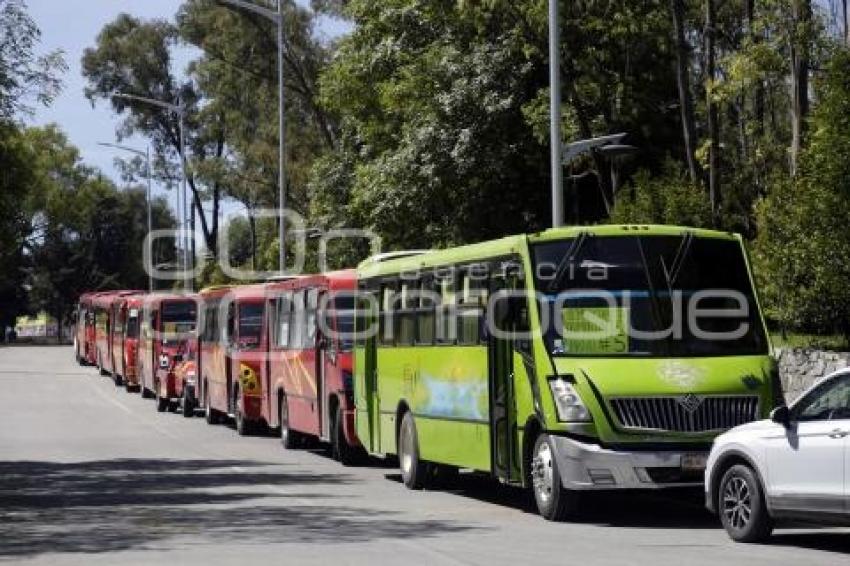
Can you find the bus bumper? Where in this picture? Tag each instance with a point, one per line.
(587, 466)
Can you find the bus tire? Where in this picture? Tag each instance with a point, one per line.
(146, 393)
(162, 403)
(415, 472)
(210, 414)
(243, 425)
(187, 406)
(341, 450)
(554, 502)
(117, 379)
(289, 438)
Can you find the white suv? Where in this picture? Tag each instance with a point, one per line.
(794, 466)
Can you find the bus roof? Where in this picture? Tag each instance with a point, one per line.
(238, 292)
(342, 279)
(513, 244)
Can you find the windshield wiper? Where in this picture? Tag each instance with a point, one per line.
(672, 275)
(564, 265)
(654, 306)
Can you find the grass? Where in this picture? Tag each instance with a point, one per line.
(821, 342)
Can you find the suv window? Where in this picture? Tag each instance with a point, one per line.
(829, 401)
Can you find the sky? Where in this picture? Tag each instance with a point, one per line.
(72, 25)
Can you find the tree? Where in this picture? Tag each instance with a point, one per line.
(16, 180)
(134, 57)
(803, 246)
(87, 235)
(799, 44)
(683, 83)
(24, 75)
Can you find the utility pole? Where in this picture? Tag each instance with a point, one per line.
(147, 156)
(179, 109)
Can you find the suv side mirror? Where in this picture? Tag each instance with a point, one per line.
(781, 415)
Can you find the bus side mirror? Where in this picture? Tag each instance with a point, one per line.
(781, 415)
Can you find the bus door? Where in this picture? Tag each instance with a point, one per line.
(323, 356)
(503, 286)
(373, 322)
(229, 359)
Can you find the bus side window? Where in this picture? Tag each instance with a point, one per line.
(425, 317)
(284, 320)
(446, 287)
(386, 334)
(297, 326)
(405, 313)
(473, 298)
(310, 324)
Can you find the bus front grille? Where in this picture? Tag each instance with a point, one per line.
(687, 413)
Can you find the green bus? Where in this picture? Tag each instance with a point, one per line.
(570, 360)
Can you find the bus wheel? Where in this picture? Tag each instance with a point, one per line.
(341, 450)
(187, 407)
(414, 472)
(146, 393)
(162, 403)
(243, 426)
(289, 438)
(210, 414)
(553, 501)
(117, 379)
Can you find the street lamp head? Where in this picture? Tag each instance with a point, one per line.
(617, 151)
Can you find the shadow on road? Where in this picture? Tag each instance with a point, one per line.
(680, 509)
(114, 505)
(826, 541)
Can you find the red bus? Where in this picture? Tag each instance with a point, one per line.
(167, 326)
(309, 368)
(232, 347)
(84, 330)
(104, 312)
(124, 335)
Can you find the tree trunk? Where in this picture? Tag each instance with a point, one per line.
(845, 16)
(252, 222)
(686, 103)
(758, 95)
(799, 61)
(711, 108)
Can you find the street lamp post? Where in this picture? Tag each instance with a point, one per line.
(180, 110)
(555, 115)
(275, 16)
(147, 156)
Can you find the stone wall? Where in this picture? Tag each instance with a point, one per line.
(801, 367)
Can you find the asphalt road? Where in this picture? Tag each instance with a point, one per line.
(90, 474)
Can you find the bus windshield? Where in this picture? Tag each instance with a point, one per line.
(133, 325)
(178, 318)
(340, 320)
(647, 296)
(250, 325)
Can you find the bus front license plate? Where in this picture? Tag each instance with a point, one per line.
(694, 462)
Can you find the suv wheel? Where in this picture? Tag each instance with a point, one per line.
(740, 502)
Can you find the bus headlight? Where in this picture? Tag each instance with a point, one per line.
(568, 403)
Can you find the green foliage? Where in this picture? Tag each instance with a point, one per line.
(87, 234)
(803, 247)
(668, 198)
(24, 75)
